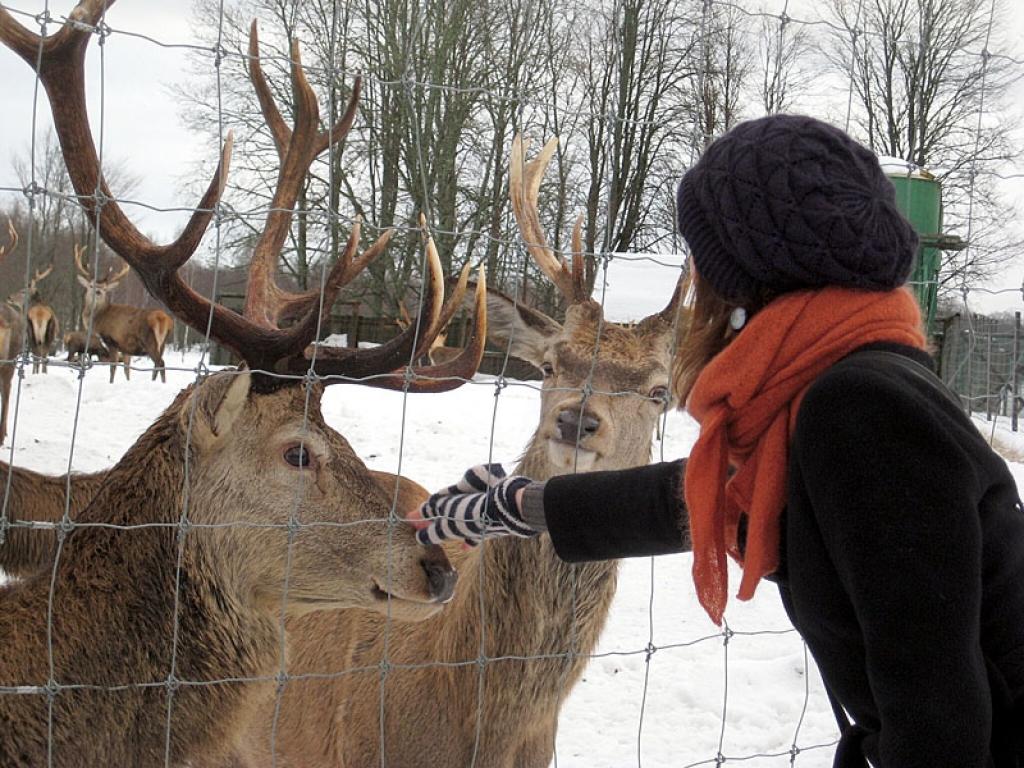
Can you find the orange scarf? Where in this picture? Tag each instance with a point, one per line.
(746, 401)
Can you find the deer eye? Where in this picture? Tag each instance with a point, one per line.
(297, 456)
(547, 369)
(659, 393)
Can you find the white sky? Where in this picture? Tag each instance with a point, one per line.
(142, 127)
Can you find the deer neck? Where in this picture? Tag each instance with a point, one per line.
(554, 596)
(118, 602)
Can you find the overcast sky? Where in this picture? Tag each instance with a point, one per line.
(142, 125)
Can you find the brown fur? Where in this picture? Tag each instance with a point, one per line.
(533, 604)
(75, 345)
(38, 498)
(113, 616)
(43, 332)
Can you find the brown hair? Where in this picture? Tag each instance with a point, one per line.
(708, 332)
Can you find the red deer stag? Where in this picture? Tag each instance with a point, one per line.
(43, 326)
(125, 330)
(536, 618)
(237, 507)
(12, 329)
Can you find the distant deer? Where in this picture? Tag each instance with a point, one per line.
(125, 329)
(43, 326)
(12, 329)
(77, 347)
(535, 616)
(282, 516)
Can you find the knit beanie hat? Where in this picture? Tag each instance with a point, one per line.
(788, 202)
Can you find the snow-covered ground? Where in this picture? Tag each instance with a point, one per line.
(664, 688)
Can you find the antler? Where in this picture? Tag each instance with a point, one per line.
(112, 278)
(455, 372)
(41, 274)
(668, 314)
(12, 234)
(254, 335)
(19, 297)
(523, 186)
(109, 279)
(79, 250)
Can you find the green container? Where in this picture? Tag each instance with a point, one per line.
(919, 197)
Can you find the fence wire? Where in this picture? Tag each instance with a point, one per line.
(979, 357)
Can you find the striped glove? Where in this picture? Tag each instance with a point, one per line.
(481, 504)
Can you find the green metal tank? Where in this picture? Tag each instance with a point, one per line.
(919, 197)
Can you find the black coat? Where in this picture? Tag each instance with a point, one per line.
(902, 562)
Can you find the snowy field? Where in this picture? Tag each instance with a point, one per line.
(664, 688)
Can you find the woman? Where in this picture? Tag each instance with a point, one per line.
(830, 460)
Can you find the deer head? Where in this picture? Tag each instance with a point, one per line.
(97, 291)
(604, 384)
(260, 451)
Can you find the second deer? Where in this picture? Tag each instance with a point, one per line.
(534, 618)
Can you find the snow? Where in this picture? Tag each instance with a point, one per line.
(750, 698)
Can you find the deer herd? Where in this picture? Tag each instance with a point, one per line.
(229, 592)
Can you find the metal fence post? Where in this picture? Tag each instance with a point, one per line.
(1013, 370)
(970, 332)
(988, 376)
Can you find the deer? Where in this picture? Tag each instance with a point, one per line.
(79, 349)
(125, 330)
(43, 326)
(159, 624)
(12, 329)
(533, 616)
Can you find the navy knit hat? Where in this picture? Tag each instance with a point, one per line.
(788, 202)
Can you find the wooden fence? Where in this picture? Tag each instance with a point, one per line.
(980, 359)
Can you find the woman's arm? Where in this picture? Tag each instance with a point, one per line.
(590, 516)
(606, 515)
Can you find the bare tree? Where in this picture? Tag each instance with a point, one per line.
(636, 96)
(784, 60)
(446, 86)
(723, 59)
(928, 91)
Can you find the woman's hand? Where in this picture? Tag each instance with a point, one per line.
(483, 503)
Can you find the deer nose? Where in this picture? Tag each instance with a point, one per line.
(441, 578)
(573, 424)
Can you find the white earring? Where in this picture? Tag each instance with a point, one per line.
(738, 318)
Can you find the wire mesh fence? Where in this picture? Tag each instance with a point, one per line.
(534, 662)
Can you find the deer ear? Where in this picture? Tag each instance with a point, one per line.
(85, 283)
(525, 332)
(217, 403)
